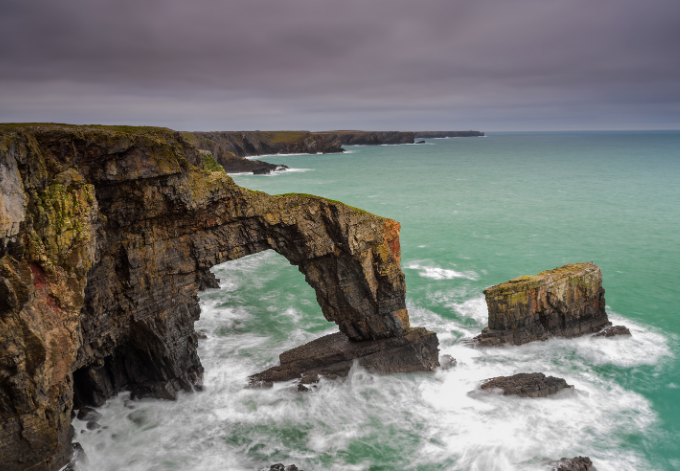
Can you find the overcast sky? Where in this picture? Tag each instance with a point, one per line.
(368, 64)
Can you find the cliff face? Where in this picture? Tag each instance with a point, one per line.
(106, 235)
(230, 148)
(565, 302)
(367, 138)
(439, 134)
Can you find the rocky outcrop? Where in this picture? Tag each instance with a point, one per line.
(442, 134)
(366, 138)
(526, 385)
(231, 147)
(565, 302)
(280, 467)
(107, 233)
(333, 355)
(613, 331)
(580, 463)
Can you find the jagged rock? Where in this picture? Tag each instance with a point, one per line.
(102, 252)
(92, 425)
(526, 384)
(612, 331)
(280, 467)
(420, 142)
(447, 362)
(208, 281)
(565, 302)
(88, 414)
(78, 458)
(334, 354)
(580, 463)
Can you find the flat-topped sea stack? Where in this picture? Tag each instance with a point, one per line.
(106, 235)
(565, 302)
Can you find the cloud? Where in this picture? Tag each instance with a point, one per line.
(208, 64)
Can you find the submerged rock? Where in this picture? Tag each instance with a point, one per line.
(612, 331)
(447, 362)
(527, 384)
(88, 414)
(580, 463)
(333, 355)
(565, 302)
(280, 467)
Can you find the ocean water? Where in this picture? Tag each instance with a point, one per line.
(474, 212)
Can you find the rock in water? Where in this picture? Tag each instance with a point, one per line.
(415, 350)
(88, 414)
(565, 302)
(527, 384)
(580, 463)
(208, 281)
(280, 467)
(613, 331)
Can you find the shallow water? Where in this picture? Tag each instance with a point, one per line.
(474, 212)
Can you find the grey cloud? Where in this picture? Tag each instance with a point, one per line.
(208, 64)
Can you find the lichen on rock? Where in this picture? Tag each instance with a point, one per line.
(106, 237)
(567, 301)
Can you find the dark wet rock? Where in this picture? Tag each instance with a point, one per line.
(526, 385)
(137, 417)
(146, 218)
(280, 467)
(333, 355)
(88, 414)
(420, 142)
(78, 459)
(612, 331)
(207, 280)
(91, 425)
(201, 335)
(262, 171)
(447, 362)
(580, 463)
(128, 404)
(565, 302)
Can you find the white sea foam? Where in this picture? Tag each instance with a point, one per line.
(433, 421)
(438, 273)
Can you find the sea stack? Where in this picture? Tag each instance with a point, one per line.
(564, 302)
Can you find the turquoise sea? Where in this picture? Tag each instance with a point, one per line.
(474, 212)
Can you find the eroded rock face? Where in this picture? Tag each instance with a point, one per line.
(580, 463)
(333, 355)
(103, 253)
(526, 385)
(565, 302)
(367, 138)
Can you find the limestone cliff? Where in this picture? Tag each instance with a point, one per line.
(106, 234)
(366, 138)
(565, 302)
(231, 147)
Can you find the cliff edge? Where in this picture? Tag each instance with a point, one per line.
(106, 234)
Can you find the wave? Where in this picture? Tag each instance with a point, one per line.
(437, 273)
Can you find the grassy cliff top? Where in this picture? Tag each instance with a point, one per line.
(523, 283)
(10, 127)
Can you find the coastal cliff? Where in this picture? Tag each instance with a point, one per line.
(230, 148)
(106, 235)
(442, 134)
(367, 138)
(567, 301)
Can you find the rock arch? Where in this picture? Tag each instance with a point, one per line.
(105, 237)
